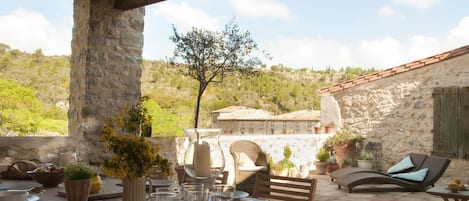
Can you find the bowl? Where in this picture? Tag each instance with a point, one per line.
(47, 179)
(14, 195)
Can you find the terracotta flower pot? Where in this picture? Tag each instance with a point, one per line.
(321, 167)
(346, 151)
(331, 167)
(77, 190)
(329, 129)
(317, 130)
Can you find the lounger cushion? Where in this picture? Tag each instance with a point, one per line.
(413, 176)
(404, 164)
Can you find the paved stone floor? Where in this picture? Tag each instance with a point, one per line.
(328, 191)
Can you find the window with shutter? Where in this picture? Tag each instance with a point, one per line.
(451, 122)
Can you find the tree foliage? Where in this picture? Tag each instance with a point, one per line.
(168, 86)
(20, 110)
(210, 56)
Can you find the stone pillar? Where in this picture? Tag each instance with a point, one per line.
(105, 67)
(330, 111)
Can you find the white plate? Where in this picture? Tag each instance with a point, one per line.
(249, 199)
(33, 198)
(240, 194)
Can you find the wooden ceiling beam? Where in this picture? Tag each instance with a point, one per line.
(131, 4)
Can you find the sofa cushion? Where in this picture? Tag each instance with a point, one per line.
(253, 169)
(412, 176)
(404, 164)
(244, 160)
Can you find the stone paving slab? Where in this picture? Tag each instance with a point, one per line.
(328, 191)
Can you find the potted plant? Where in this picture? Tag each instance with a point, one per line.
(132, 157)
(78, 180)
(332, 165)
(346, 163)
(285, 167)
(329, 128)
(318, 128)
(344, 144)
(321, 163)
(365, 160)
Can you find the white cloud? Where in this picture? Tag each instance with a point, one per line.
(386, 10)
(420, 4)
(385, 53)
(29, 30)
(261, 9)
(423, 46)
(184, 16)
(308, 52)
(459, 35)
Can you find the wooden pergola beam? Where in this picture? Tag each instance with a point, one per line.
(131, 4)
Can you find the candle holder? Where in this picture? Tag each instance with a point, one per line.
(203, 159)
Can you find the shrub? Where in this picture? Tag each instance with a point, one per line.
(342, 137)
(20, 110)
(322, 155)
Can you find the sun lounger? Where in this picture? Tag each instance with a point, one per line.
(417, 160)
(436, 167)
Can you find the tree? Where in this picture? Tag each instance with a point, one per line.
(210, 56)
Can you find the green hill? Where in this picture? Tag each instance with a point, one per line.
(173, 95)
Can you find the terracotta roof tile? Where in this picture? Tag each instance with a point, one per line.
(396, 70)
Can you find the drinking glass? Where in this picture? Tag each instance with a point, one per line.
(194, 192)
(222, 192)
(163, 196)
(171, 189)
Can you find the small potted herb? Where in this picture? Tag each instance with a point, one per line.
(321, 163)
(78, 180)
(332, 165)
(365, 160)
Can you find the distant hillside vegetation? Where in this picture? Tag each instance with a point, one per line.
(172, 94)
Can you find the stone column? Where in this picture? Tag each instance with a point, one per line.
(105, 67)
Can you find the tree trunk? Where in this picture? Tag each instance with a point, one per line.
(197, 107)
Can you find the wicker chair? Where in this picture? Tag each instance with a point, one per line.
(249, 159)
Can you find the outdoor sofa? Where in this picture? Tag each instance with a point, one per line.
(434, 167)
(416, 158)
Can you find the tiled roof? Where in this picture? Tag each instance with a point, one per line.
(230, 109)
(300, 115)
(245, 114)
(397, 70)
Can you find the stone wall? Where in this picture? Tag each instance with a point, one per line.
(47, 149)
(105, 66)
(396, 113)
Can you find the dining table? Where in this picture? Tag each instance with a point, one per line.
(447, 195)
(111, 190)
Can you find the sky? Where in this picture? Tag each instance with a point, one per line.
(315, 34)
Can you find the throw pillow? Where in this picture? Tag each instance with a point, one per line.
(404, 164)
(244, 160)
(413, 176)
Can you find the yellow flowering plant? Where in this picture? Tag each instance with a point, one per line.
(132, 155)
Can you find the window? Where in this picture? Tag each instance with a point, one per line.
(451, 122)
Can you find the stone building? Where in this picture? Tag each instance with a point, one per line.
(239, 120)
(421, 106)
